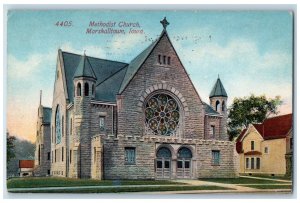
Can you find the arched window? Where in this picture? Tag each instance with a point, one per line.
(163, 153)
(162, 114)
(93, 89)
(78, 89)
(217, 105)
(223, 106)
(184, 153)
(57, 126)
(86, 89)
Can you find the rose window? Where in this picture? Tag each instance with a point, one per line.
(162, 114)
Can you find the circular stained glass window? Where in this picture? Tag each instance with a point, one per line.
(162, 114)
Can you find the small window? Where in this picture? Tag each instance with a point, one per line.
(179, 164)
(257, 163)
(252, 145)
(247, 163)
(159, 59)
(164, 59)
(48, 156)
(213, 131)
(93, 89)
(94, 154)
(169, 60)
(48, 172)
(129, 155)
(217, 106)
(86, 89)
(291, 144)
(223, 106)
(52, 156)
(62, 154)
(159, 164)
(167, 164)
(101, 123)
(55, 156)
(186, 164)
(71, 126)
(266, 150)
(70, 156)
(252, 163)
(78, 89)
(215, 157)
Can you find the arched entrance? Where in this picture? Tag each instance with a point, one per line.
(163, 163)
(184, 168)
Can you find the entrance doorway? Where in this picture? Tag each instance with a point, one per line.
(163, 163)
(184, 168)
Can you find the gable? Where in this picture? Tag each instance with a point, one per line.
(162, 45)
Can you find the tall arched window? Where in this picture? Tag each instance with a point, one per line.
(93, 89)
(86, 89)
(57, 126)
(223, 106)
(78, 89)
(62, 126)
(217, 105)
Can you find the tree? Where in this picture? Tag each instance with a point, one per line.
(247, 110)
(10, 147)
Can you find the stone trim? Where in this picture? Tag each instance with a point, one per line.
(162, 86)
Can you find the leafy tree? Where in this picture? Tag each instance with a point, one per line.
(247, 110)
(10, 147)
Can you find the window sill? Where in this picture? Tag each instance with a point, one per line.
(130, 164)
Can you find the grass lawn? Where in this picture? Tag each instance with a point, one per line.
(273, 177)
(126, 189)
(240, 180)
(32, 182)
(270, 186)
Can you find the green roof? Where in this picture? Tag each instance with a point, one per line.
(209, 110)
(103, 69)
(218, 90)
(84, 68)
(47, 114)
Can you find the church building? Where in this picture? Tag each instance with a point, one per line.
(137, 120)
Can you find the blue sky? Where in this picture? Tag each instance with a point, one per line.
(250, 50)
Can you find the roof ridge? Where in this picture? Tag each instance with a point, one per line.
(111, 75)
(94, 57)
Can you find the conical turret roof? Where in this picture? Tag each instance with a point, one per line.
(218, 90)
(84, 68)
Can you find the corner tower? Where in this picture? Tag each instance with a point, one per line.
(84, 91)
(218, 101)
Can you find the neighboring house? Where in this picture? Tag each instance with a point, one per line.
(26, 167)
(137, 120)
(266, 148)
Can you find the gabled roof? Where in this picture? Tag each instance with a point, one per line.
(84, 68)
(275, 127)
(103, 69)
(218, 90)
(46, 114)
(137, 62)
(209, 110)
(272, 128)
(26, 163)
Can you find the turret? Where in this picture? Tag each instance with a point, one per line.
(218, 98)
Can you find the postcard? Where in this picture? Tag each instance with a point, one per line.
(150, 101)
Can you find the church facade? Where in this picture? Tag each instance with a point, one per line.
(137, 120)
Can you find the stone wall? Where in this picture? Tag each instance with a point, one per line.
(96, 156)
(146, 147)
(172, 78)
